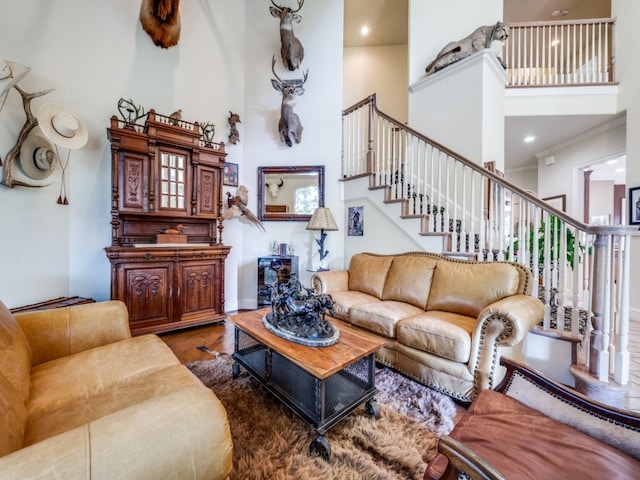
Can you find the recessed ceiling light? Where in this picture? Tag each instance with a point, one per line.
(555, 43)
(611, 162)
(619, 170)
(559, 13)
(364, 30)
(529, 138)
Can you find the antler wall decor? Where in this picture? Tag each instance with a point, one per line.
(30, 123)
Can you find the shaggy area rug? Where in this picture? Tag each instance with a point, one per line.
(271, 442)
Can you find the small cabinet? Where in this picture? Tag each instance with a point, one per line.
(165, 174)
(275, 269)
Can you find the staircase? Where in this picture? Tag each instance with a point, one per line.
(580, 272)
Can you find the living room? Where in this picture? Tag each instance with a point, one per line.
(94, 54)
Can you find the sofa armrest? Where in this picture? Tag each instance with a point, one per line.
(504, 323)
(617, 428)
(330, 281)
(62, 331)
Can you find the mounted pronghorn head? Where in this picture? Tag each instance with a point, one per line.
(289, 125)
(291, 49)
(274, 188)
(161, 20)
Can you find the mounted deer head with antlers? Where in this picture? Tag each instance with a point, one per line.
(161, 20)
(289, 125)
(291, 49)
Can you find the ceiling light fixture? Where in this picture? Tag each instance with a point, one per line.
(560, 13)
(529, 138)
(555, 43)
(611, 162)
(364, 30)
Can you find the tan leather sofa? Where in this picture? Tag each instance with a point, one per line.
(80, 398)
(445, 322)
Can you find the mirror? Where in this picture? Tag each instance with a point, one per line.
(290, 193)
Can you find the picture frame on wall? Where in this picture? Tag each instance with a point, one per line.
(230, 174)
(356, 222)
(559, 202)
(634, 206)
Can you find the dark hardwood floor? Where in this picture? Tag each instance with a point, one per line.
(184, 343)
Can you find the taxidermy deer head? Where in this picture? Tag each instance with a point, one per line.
(291, 48)
(161, 20)
(289, 125)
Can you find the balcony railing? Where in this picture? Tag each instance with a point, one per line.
(573, 52)
(581, 272)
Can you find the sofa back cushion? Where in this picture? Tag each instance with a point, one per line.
(15, 353)
(368, 273)
(466, 288)
(409, 280)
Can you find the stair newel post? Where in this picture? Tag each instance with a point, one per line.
(598, 338)
(621, 362)
(370, 152)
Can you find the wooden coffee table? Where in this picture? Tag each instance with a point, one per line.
(322, 385)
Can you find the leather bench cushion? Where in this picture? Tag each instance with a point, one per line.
(89, 373)
(523, 443)
(368, 273)
(445, 334)
(343, 302)
(15, 353)
(467, 288)
(409, 280)
(382, 317)
(78, 411)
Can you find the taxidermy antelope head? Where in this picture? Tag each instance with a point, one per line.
(274, 188)
(161, 20)
(291, 48)
(289, 125)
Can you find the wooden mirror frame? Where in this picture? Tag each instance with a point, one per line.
(284, 170)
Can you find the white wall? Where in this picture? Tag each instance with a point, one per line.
(526, 178)
(601, 199)
(381, 70)
(94, 53)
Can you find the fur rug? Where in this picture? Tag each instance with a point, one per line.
(271, 442)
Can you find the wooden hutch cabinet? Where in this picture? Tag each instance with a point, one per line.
(165, 176)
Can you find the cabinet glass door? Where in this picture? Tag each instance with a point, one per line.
(172, 180)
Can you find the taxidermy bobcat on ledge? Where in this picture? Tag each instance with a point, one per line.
(161, 20)
(488, 36)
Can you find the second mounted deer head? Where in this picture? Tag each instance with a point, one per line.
(289, 125)
(161, 20)
(291, 49)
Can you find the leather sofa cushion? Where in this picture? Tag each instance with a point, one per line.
(467, 288)
(15, 353)
(445, 334)
(382, 317)
(75, 412)
(409, 280)
(344, 301)
(523, 443)
(368, 273)
(89, 373)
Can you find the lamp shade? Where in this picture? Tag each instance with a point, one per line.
(322, 220)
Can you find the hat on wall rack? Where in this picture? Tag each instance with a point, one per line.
(37, 156)
(64, 129)
(10, 74)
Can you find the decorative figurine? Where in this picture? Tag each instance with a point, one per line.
(237, 207)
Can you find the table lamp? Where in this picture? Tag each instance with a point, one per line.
(322, 220)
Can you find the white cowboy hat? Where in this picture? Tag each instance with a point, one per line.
(62, 126)
(10, 74)
(37, 157)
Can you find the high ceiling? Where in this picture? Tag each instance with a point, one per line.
(387, 22)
